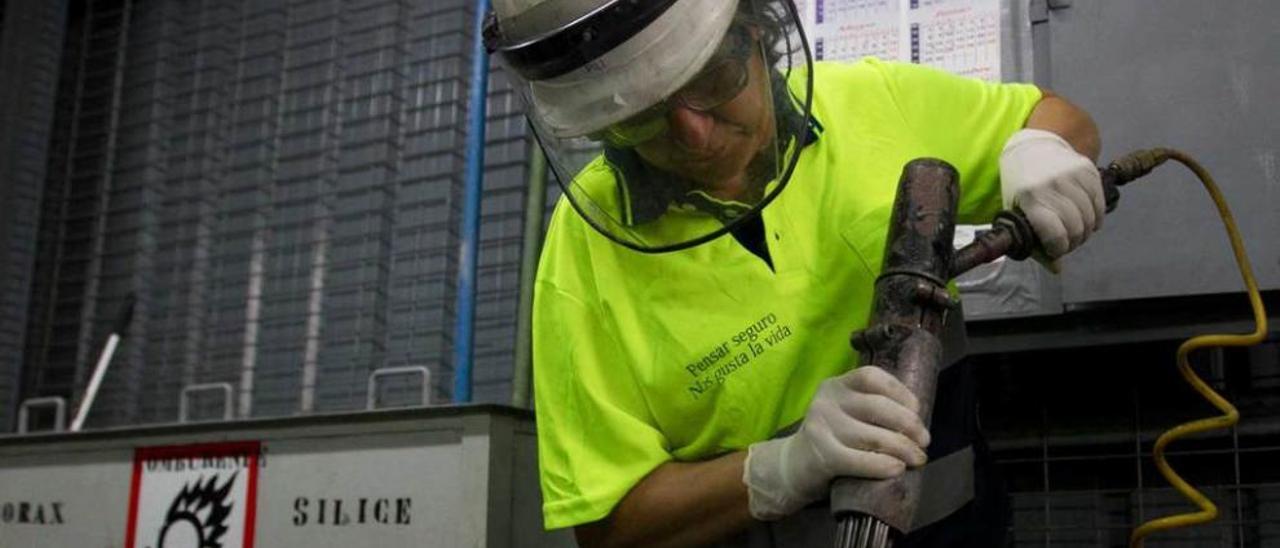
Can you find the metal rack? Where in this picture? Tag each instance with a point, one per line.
(32, 33)
(276, 180)
(1073, 431)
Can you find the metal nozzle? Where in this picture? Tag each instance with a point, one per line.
(863, 531)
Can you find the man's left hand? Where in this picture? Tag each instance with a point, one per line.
(1057, 188)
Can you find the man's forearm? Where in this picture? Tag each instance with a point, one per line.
(1073, 124)
(678, 504)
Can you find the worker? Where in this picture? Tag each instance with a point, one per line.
(722, 223)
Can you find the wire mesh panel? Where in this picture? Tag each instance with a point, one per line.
(245, 203)
(66, 327)
(144, 168)
(277, 182)
(502, 215)
(1074, 430)
(420, 295)
(31, 40)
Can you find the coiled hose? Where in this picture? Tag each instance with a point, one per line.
(1208, 511)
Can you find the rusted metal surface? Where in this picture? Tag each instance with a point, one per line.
(1011, 234)
(911, 303)
(908, 313)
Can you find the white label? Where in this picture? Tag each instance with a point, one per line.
(194, 496)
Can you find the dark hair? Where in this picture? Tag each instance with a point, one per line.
(774, 19)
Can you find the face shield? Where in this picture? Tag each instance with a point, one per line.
(666, 122)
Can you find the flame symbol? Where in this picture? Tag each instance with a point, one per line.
(203, 506)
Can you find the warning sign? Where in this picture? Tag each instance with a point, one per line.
(194, 496)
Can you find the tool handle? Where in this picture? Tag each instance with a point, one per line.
(1011, 234)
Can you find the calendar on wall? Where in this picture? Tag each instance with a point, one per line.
(961, 36)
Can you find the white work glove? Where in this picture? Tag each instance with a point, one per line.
(1057, 188)
(864, 423)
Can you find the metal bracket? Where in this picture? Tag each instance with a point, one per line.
(59, 412)
(184, 398)
(372, 402)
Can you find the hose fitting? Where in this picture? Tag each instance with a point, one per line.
(1137, 164)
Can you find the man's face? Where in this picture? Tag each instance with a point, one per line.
(713, 147)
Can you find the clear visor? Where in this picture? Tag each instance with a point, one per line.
(687, 166)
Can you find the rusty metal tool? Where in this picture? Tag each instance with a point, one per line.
(909, 310)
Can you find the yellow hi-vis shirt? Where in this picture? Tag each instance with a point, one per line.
(640, 359)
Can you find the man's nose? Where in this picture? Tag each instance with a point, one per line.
(689, 128)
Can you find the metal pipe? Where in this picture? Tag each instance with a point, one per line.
(469, 232)
(104, 360)
(535, 204)
(95, 382)
(908, 312)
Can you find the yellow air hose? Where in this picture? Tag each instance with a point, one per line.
(1208, 511)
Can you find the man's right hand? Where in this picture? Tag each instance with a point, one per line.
(864, 423)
